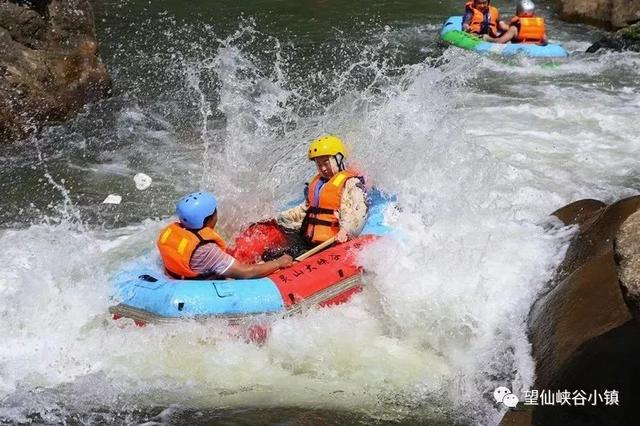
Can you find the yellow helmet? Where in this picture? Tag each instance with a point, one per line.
(327, 145)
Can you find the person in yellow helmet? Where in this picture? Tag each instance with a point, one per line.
(335, 205)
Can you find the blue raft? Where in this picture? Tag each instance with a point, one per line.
(145, 293)
(452, 33)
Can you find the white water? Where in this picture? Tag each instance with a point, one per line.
(478, 153)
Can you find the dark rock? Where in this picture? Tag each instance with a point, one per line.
(610, 14)
(49, 68)
(608, 362)
(627, 247)
(579, 328)
(624, 39)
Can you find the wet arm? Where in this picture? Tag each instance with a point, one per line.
(466, 19)
(502, 26)
(292, 218)
(244, 271)
(353, 208)
(504, 38)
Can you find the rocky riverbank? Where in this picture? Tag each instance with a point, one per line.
(625, 39)
(620, 15)
(610, 14)
(49, 68)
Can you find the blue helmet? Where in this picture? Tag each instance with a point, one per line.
(193, 209)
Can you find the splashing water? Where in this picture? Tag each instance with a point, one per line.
(442, 320)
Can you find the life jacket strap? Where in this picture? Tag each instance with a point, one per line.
(314, 221)
(319, 210)
(486, 22)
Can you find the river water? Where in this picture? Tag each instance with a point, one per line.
(225, 96)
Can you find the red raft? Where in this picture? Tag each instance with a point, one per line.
(326, 276)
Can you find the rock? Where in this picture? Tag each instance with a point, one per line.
(625, 39)
(49, 68)
(583, 335)
(606, 363)
(611, 14)
(586, 301)
(627, 246)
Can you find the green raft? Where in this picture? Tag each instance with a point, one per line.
(452, 33)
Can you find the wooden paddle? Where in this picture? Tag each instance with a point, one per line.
(316, 249)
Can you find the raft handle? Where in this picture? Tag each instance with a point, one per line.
(148, 278)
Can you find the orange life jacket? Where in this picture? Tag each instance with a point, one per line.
(321, 221)
(530, 30)
(177, 244)
(483, 22)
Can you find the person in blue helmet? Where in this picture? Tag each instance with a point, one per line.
(191, 248)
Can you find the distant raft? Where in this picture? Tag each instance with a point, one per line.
(452, 33)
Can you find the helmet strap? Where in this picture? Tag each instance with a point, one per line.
(339, 161)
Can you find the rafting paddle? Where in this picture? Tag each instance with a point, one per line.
(316, 249)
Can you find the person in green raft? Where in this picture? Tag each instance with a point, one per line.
(525, 27)
(481, 18)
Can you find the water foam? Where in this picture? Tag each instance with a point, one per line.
(441, 322)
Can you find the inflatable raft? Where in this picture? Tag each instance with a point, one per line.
(452, 33)
(145, 293)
